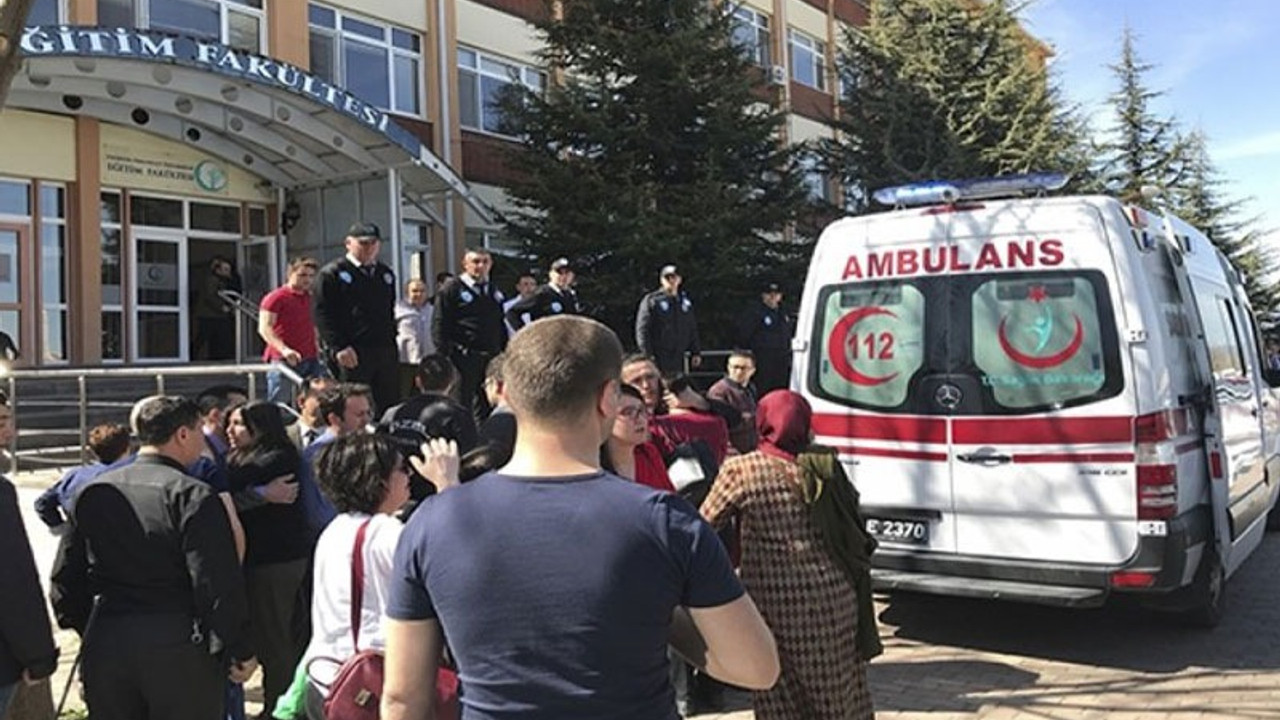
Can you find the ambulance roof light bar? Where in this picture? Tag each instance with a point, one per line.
(952, 191)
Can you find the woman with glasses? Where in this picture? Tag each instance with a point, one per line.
(366, 477)
(628, 452)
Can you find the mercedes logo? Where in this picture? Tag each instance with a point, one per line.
(948, 396)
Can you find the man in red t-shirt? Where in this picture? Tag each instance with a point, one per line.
(286, 326)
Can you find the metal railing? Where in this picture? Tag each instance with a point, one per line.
(158, 373)
(244, 308)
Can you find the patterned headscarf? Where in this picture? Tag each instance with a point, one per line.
(782, 419)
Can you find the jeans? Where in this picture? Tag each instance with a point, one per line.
(6, 694)
(281, 389)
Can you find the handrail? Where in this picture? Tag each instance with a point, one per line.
(159, 372)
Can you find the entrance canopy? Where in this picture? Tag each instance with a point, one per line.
(289, 127)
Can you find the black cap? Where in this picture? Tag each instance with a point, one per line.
(364, 230)
(562, 264)
(772, 287)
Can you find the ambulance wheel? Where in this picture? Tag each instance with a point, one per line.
(1208, 592)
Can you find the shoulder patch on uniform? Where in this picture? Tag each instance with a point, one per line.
(344, 276)
(465, 296)
(663, 305)
(389, 278)
(768, 319)
(556, 306)
(685, 304)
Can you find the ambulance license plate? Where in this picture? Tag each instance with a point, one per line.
(895, 530)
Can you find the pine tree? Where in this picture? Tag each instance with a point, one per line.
(657, 147)
(948, 89)
(1144, 149)
(1199, 200)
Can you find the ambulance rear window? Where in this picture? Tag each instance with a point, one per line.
(976, 344)
(873, 337)
(1038, 341)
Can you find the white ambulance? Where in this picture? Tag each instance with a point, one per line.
(1044, 399)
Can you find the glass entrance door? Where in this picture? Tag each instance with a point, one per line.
(13, 245)
(159, 307)
(258, 265)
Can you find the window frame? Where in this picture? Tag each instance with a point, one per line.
(479, 73)
(761, 50)
(816, 48)
(949, 302)
(142, 15)
(338, 35)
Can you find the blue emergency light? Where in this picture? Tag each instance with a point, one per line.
(952, 191)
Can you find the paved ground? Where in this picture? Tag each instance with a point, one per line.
(949, 658)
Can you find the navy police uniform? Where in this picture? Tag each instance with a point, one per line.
(548, 301)
(667, 328)
(767, 332)
(355, 307)
(468, 329)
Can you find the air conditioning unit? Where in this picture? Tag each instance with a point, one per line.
(778, 74)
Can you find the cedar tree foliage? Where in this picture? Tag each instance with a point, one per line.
(656, 143)
(937, 89)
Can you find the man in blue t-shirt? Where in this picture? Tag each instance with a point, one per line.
(557, 584)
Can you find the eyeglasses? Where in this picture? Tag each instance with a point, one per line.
(634, 413)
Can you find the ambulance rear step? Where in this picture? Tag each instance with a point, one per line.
(1059, 595)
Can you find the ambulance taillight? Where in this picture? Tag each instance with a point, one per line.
(1157, 463)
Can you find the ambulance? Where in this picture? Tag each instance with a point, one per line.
(1042, 399)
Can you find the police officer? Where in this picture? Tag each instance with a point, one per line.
(468, 327)
(355, 316)
(666, 326)
(557, 297)
(766, 332)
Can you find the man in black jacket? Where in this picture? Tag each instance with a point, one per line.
(433, 413)
(468, 327)
(27, 652)
(666, 326)
(766, 332)
(355, 316)
(557, 297)
(158, 550)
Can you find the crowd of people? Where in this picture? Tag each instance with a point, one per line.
(586, 532)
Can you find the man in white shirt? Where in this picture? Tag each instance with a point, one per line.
(526, 286)
(413, 332)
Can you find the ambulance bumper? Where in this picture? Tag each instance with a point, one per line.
(1166, 558)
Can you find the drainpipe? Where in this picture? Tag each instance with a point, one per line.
(446, 127)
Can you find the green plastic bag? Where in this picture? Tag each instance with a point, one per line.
(293, 704)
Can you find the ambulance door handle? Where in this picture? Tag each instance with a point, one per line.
(985, 457)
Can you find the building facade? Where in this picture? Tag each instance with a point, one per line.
(142, 139)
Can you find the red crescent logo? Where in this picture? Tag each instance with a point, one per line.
(1042, 363)
(837, 340)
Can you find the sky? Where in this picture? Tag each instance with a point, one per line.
(1215, 62)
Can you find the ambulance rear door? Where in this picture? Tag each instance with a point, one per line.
(879, 331)
(1042, 451)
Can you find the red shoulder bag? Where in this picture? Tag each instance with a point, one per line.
(356, 692)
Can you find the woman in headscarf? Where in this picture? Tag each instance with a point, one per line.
(801, 570)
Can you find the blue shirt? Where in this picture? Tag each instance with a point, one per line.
(56, 504)
(212, 470)
(556, 594)
(315, 505)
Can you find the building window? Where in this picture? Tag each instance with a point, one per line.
(751, 33)
(494, 241)
(112, 277)
(481, 80)
(45, 12)
(808, 60)
(378, 63)
(53, 273)
(817, 183)
(240, 24)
